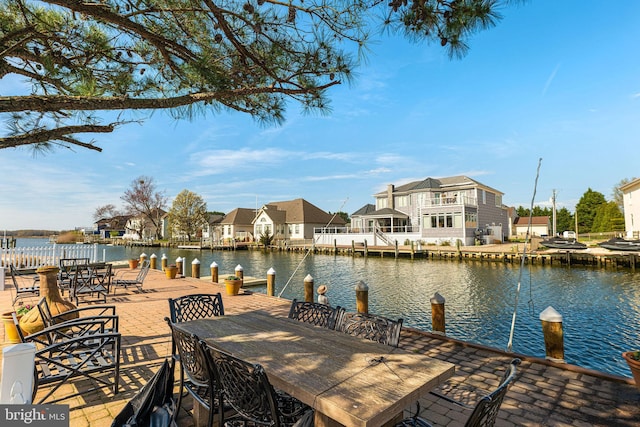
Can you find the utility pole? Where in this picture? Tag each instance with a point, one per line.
(553, 204)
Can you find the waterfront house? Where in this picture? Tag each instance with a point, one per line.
(432, 211)
(212, 230)
(540, 226)
(631, 201)
(140, 227)
(112, 227)
(237, 225)
(292, 221)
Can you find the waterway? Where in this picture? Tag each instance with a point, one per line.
(600, 308)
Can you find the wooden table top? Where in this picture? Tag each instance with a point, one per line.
(348, 380)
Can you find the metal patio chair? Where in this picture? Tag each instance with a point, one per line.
(76, 348)
(120, 280)
(26, 284)
(68, 267)
(192, 307)
(86, 285)
(370, 326)
(247, 390)
(105, 312)
(195, 306)
(315, 313)
(195, 375)
(485, 411)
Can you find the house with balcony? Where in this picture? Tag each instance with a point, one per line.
(631, 203)
(292, 220)
(433, 210)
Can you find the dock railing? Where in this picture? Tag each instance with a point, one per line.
(37, 256)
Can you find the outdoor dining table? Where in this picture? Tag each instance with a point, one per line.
(349, 381)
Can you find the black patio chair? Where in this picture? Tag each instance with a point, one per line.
(370, 326)
(485, 411)
(86, 286)
(192, 307)
(195, 375)
(120, 280)
(68, 267)
(26, 285)
(247, 390)
(75, 348)
(315, 313)
(105, 312)
(195, 306)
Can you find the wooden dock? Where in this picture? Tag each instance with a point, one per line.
(592, 257)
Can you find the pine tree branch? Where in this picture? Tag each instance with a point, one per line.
(61, 133)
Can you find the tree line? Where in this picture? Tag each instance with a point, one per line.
(593, 212)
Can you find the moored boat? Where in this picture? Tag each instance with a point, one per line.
(618, 244)
(563, 243)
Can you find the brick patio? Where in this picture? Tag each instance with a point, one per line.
(545, 394)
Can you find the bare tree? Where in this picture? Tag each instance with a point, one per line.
(85, 57)
(146, 204)
(617, 192)
(105, 212)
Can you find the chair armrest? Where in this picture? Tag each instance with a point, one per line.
(87, 327)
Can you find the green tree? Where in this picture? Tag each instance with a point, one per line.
(146, 204)
(86, 58)
(564, 220)
(188, 214)
(608, 218)
(586, 209)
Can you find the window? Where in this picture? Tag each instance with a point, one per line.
(471, 220)
(258, 229)
(483, 195)
(290, 229)
(402, 201)
(381, 203)
(443, 220)
(297, 228)
(498, 200)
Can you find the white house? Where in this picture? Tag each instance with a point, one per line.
(540, 226)
(292, 220)
(434, 211)
(631, 200)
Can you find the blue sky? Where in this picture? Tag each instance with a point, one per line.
(557, 80)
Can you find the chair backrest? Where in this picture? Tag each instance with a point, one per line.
(45, 313)
(486, 410)
(370, 326)
(195, 306)
(192, 357)
(144, 269)
(246, 387)
(314, 313)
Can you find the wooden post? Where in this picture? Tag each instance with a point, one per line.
(214, 272)
(362, 297)
(412, 251)
(353, 248)
(335, 246)
(271, 282)
(179, 265)
(163, 261)
(308, 288)
(366, 250)
(143, 257)
(239, 271)
(195, 268)
(553, 336)
(153, 261)
(437, 314)
(397, 252)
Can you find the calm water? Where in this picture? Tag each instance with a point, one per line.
(600, 308)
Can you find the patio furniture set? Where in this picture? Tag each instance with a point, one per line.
(84, 281)
(319, 366)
